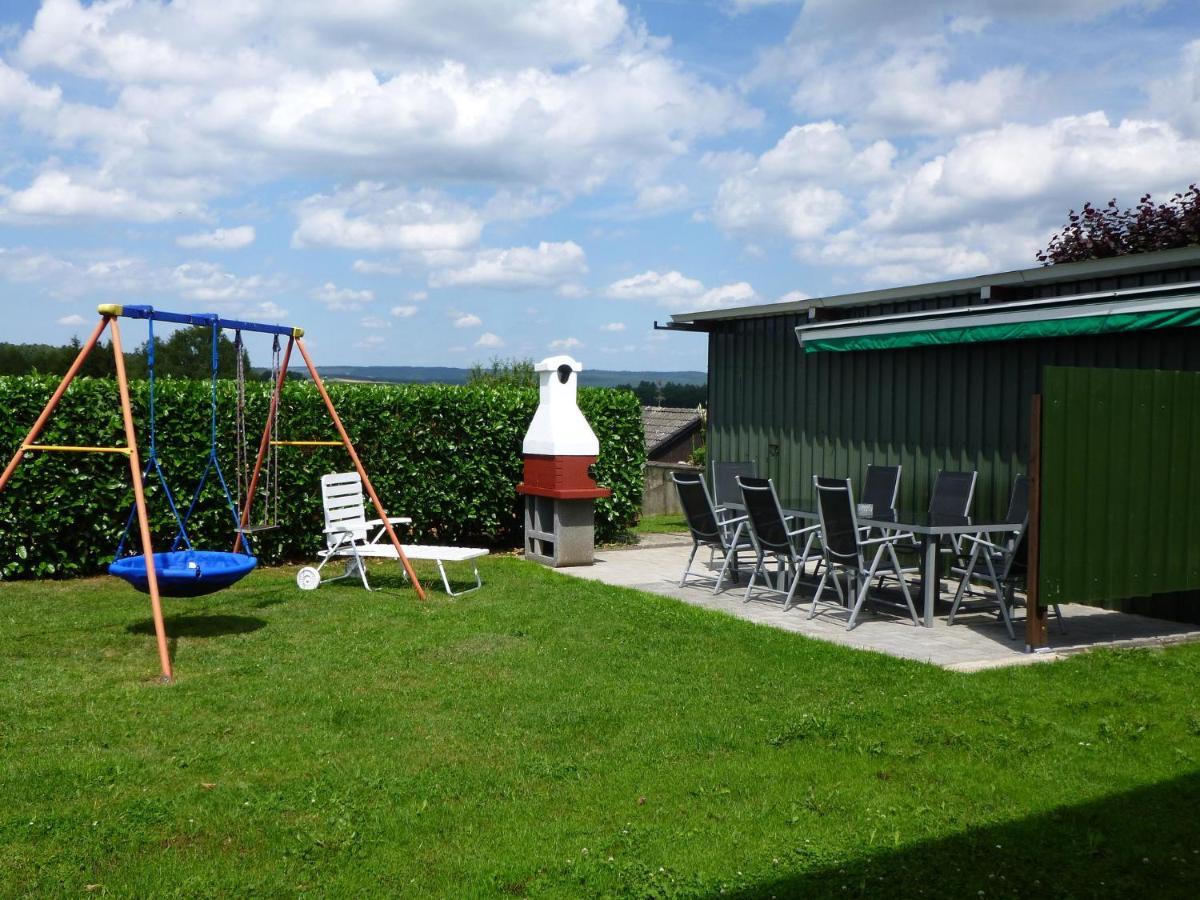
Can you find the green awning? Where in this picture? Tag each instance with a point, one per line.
(1066, 323)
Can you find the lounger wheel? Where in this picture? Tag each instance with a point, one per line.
(308, 579)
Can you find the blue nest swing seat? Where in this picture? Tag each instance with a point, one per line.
(184, 571)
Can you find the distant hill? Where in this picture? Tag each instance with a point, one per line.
(447, 375)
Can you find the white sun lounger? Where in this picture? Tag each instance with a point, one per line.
(347, 536)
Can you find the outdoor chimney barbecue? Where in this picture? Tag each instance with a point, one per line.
(560, 494)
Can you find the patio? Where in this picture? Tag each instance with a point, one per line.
(974, 642)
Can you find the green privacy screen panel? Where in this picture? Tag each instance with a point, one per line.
(1120, 485)
(1006, 331)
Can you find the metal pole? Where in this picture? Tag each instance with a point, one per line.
(265, 443)
(53, 401)
(1035, 612)
(362, 473)
(139, 498)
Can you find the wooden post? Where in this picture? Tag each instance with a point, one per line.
(362, 473)
(139, 499)
(1035, 612)
(53, 401)
(265, 444)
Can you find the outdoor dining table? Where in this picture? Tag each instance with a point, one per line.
(930, 529)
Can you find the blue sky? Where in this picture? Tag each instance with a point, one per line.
(439, 183)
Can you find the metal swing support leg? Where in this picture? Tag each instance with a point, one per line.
(362, 472)
(49, 408)
(139, 498)
(265, 444)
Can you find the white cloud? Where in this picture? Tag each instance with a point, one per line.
(74, 319)
(569, 343)
(373, 267)
(337, 298)
(370, 342)
(998, 173)
(613, 326)
(1176, 99)
(467, 320)
(58, 194)
(657, 197)
(784, 190)
(516, 268)
(543, 96)
(487, 339)
(793, 297)
(655, 286)
(677, 291)
(418, 296)
(220, 239)
(370, 216)
(404, 312)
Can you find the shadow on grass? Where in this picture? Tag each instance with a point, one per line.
(201, 626)
(1144, 842)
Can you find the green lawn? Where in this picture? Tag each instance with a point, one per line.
(667, 524)
(553, 737)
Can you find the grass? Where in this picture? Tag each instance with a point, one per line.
(665, 524)
(553, 737)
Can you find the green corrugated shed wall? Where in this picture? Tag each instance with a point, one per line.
(961, 407)
(1121, 485)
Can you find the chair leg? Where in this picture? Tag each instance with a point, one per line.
(820, 590)
(963, 585)
(999, 596)
(862, 592)
(912, 609)
(796, 570)
(1062, 626)
(754, 576)
(688, 567)
(724, 568)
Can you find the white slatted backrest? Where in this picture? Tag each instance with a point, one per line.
(342, 496)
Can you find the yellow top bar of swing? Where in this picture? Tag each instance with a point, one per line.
(61, 448)
(306, 443)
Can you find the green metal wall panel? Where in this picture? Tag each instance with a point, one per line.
(1120, 484)
(799, 415)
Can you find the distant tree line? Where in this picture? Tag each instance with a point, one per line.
(669, 393)
(1098, 233)
(186, 353)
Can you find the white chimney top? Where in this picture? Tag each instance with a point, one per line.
(558, 427)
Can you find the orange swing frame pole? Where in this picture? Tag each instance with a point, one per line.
(362, 473)
(265, 443)
(130, 450)
(48, 409)
(139, 499)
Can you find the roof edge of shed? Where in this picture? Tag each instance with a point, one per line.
(1092, 268)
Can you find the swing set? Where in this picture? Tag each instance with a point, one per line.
(183, 570)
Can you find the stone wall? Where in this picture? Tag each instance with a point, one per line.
(660, 497)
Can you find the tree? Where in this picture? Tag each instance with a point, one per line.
(514, 371)
(1111, 231)
(188, 354)
(670, 393)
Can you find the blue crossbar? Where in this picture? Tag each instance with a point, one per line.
(205, 319)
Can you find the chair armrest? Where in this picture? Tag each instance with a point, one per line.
(340, 529)
(395, 520)
(805, 530)
(734, 521)
(886, 539)
(975, 539)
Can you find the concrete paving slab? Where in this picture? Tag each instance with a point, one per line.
(976, 641)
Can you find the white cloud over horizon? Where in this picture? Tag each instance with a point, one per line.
(401, 161)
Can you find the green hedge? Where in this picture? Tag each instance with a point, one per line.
(447, 456)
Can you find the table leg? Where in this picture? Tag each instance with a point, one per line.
(929, 576)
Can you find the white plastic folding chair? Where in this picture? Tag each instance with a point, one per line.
(348, 536)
